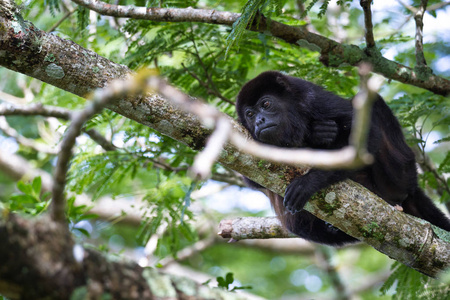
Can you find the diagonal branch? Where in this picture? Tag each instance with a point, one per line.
(116, 90)
(437, 6)
(333, 53)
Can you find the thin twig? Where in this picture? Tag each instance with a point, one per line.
(370, 41)
(407, 6)
(208, 74)
(210, 91)
(187, 252)
(427, 165)
(362, 106)
(68, 14)
(438, 6)
(325, 256)
(37, 109)
(116, 90)
(100, 139)
(205, 159)
(29, 143)
(418, 17)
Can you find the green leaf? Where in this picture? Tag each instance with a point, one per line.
(221, 282)
(37, 185)
(25, 188)
(229, 278)
(83, 231)
(444, 166)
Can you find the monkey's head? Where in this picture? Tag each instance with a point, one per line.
(275, 109)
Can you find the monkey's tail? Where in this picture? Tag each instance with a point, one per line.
(419, 205)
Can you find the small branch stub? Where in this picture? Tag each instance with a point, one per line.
(253, 228)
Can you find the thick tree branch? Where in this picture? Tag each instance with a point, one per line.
(74, 64)
(333, 53)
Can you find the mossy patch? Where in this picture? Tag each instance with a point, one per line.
(372, 230)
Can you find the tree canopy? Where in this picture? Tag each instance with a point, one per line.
(111, 188)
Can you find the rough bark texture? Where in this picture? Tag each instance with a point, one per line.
(367, 217)
(64, 64)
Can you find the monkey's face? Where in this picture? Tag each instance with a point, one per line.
(275, 109)
(270, 121)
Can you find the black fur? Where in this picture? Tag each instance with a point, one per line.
(289, 112)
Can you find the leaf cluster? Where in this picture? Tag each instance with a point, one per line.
(410, 284)
(420, 114)
(30, 201)
(227, 281)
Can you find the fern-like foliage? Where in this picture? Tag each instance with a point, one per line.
(82, 18)
(410, 284)
(323, 8)
(53, 5)
(249, 11)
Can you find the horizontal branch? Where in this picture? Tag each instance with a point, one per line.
(333, 53)
(158, 14)
(35, 109)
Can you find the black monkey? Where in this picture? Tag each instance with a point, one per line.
(290, 112)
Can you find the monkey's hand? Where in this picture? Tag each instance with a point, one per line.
(297, 194)
(301, 188)
(323, 132)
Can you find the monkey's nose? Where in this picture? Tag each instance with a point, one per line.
(260, 121)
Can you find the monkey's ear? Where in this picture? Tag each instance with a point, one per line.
(284, 82)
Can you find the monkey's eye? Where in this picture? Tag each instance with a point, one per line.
(266, 104)
(250, 114)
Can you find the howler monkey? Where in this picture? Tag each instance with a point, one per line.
(290, 112)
